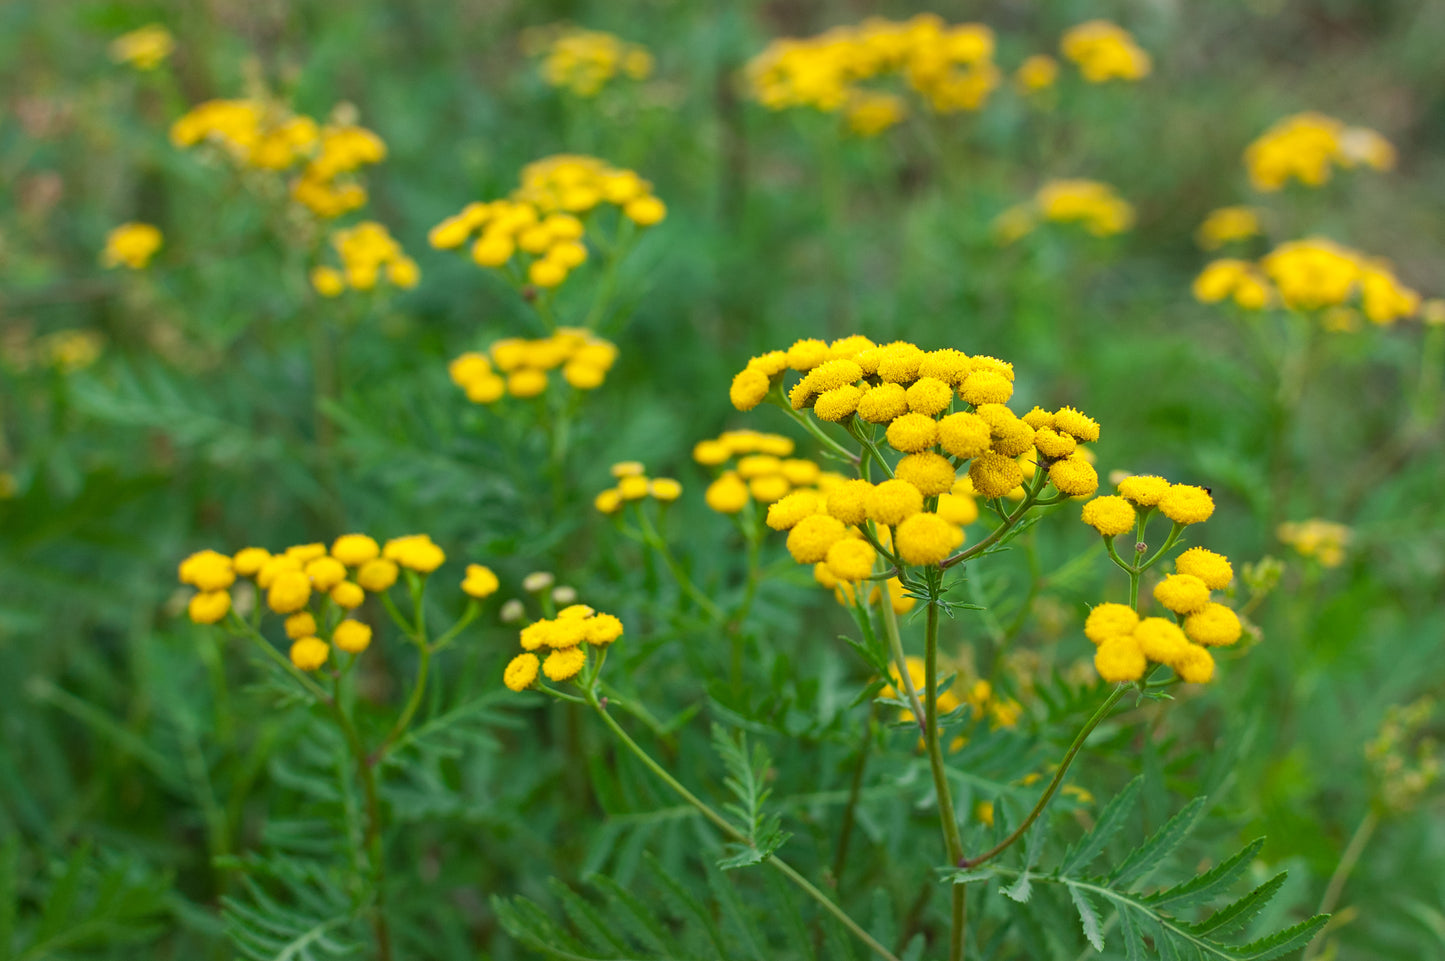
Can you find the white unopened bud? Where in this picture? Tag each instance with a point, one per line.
(513, 611)
(538, 581)
(564, 595)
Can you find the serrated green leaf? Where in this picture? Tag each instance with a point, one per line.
(1134, 949)
(1088, 917)
(1209, 884)
(585, 918)
(1021, 890)
(1238, 913)
(1142, 861)
(1283, 942)
(1114, 816)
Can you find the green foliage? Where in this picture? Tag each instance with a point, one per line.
(747, 773)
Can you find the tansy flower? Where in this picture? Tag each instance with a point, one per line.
(1182, 593)
(1110, 620)
(926, 539)
(351, 636)
(784, 514)
(1074, 476)
(325, 573)
(1211, 568)
(309, 653)
(521, 672)
(1120, 659)
(850, 559)
(994, 475)
(207, 571)
(347, 595)
(1161, 641)
(811, 537)
(931, 473)
(1226, 225)
(480, 582)
(131, 245)
(564, 663)
(727, 495)
(1144, 490)
(415, 552)
(849, 501)
(300, 624)
(1185, 504)
(248, 560)
(145, 49)
(1213, 625)
(893, 501)
(603, 629)
(882, 403)
(377, 575)
(209, 607)
(964, 435)
(353, 550)
(1109, 515)
(912, 432)
(289, 592)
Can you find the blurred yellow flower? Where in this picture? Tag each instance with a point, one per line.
(131, 245)
(144, 49)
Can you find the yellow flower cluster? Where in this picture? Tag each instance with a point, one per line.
(1126, 643)
(910, 395)
(540, 224)
(584, 61)
(1105, 51)
(633, 484)
(366, 250)
(144, 49)
(566, 638)
(949, 66)
(131, 245)
(267, 136)
(519, 367)
(1307, 146)
(312, 586)
(1038, 72)
(1227, 225)
(1102, 212)
(69, 350)
(1323, 540)
(764, 471)
(1310, 274)
(1115, 514)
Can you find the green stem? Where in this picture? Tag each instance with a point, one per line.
(607, 289)
(953, 842)
(408, 712)
(281, 660)
(367, 774)
(1057, 780)
(845, 832)
(895, 647)
(733, 833)
(655, 541)
(1353, 851)
(807, 424)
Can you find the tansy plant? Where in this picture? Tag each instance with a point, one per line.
(926, 444)
(323, 601)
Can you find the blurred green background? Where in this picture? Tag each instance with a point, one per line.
(193, 428)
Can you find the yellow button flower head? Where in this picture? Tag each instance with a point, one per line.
(565, 663)
(664, 489)
(209, 607)
(1105, 51)
(1144, 490)
(931, 473)
(1185, 504)
(931, 396)
(608, 501)
(353, 550)
(415, 552)
(1213, 625)
(273, 568)
(850, 559)
(325, 573)
(300, 624)
(893, 501)
(849, 501)
(994, 475)
(838, 404)
(986, 387)
(1211, 568)
(810, 538)
(748, 389)
(1321, 539)
(521, 672)
(912, 432)
(1195, 665)
(926, 539)
(480, 582)
(603, 629)
(882, 403)
(377, 575)
(309, 653)
(1110, 515)
(1037, 72)
(1161, 641)
(347, 595)
(289, 592)
(1108, 621)
(306, 552)
(1074, 476)
(207, 571)
(964, 434)
(1182, 593)
(633, 488)
(1095, 205)
(1120, 659)
(1076, 424)
(785, 514)
(1227, 225)
(248, 560)
(727, 495)
(351, 636)
(960, 509)
(131, 245)
(144, 49)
